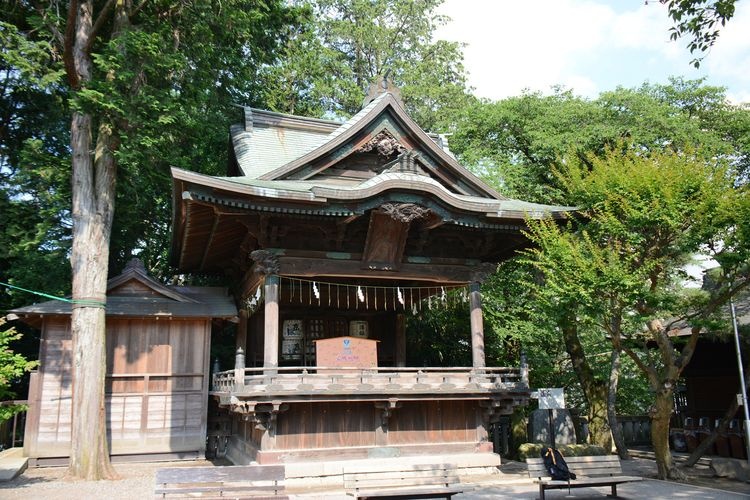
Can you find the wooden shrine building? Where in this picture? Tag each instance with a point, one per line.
(332, 233)
(329, 235)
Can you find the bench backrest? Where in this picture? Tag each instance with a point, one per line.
(249, 480)
(606, 465)
(368, 477)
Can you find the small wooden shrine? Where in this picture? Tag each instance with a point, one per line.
(333, 233)
(157, 369)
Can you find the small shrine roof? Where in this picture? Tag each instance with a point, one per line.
(135, 294)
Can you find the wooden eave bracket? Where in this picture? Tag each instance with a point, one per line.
(386, 408)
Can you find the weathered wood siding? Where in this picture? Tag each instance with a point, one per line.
(48, 428)
(326, 425)
(352, 429)
(434, 422)
(156, 389)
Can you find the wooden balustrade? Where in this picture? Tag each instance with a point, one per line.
(380, 379)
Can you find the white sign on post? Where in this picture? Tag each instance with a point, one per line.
(551, 399)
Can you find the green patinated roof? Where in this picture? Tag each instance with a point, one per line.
(273, 140)
(274, 143)
(323, 192)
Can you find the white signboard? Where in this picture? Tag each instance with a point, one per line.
(551, 399)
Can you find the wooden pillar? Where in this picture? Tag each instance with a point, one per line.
(239, 369)
(240, 338)
(271, 327)
(401, 340)
(477, 327)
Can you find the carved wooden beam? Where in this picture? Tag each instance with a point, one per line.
(405, 212)
(438, 273)
(266, 262)
(481, 272)
(384, 143)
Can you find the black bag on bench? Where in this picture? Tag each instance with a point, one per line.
(555, 464)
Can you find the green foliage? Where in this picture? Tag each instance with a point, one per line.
(534, 450)
(440, 334)
(12, 366)
(517, 143)
(701, 20)
(327, 67)
(167, 83)
(642, 219)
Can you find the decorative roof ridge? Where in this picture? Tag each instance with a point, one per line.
(375, 106)
(491, 206)
(275, 119)
(235, 184)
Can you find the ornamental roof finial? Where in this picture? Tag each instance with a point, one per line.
(382, 85)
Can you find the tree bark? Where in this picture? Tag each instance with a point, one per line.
(93, 191)
(614, 378)
(594, 390)
(661, 414)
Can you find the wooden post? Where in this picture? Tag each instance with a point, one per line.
(477, 327)
(400, 340)
(271, 328)
(239, 368)
(240, 339)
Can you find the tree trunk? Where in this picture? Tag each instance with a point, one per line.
(599, 428)
(594, 390)
(93, 184)
(614, 379)
(661, 414)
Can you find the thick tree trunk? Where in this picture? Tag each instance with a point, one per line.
(660, 417)
(92, 222)
(599, 429)
(594, 390)
(614, 379)
(93, 184)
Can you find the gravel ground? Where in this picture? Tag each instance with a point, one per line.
(137, 481)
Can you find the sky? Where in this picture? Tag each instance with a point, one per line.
(589, 46)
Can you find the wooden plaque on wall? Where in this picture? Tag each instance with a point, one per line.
(350, 352)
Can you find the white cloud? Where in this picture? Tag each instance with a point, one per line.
(587, 45)
(516, 45)
(729, 59)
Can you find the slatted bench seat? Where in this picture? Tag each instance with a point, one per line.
(402, 481)
(245, 481)
(589, 471)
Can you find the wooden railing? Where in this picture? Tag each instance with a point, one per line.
(379, 379)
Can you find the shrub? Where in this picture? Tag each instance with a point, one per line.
(534, 450)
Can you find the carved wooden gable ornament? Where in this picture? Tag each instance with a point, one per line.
(382, 139)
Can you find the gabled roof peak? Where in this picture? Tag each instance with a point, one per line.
(382, 85)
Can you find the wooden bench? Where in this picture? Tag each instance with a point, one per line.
(589, 471)
(403, 481)
(246, 481)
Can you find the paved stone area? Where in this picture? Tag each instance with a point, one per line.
(512, 482)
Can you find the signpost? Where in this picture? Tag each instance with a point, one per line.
(551, 399)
